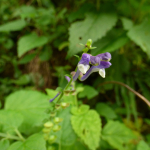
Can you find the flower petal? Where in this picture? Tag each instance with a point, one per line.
(104, 56)
(83, 68)
(85, 59)
(102, 72)
(54, 97)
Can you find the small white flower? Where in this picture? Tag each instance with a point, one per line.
(102, 72)
(83, 68)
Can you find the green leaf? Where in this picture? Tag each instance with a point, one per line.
(13, 26)
(94, 26)
(34, 142)
(23, 80)
(31, 105)
(88, 91)
(116, 134)
(76, 146)
(4, 144)
(10, 120)
(114, 40)
(45, 54)
(88, 128)
(27, 58)
(29, 42)
(143, 146)
(80, 110)
(66, 135)
(106, 111)
(127, 23)
(140, 34)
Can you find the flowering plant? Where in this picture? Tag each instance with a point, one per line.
(86, 66)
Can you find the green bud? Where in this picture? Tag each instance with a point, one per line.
(64, 105)
(52, 139)
(46, 130)
(57, 120)
(89, 43)
(48, 124)
(56, 128)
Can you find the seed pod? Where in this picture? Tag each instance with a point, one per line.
(57, 120)
(48, 124)
(64, 105)
(52, 139)
(56, 128)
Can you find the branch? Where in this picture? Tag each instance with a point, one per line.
(129, 88)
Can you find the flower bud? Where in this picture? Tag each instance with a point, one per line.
(57, 120)
(52, 139)
(56, 128)
(48, 124)
(64, 105)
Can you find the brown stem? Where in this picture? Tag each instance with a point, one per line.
(129, 88)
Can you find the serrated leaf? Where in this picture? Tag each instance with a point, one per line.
(30, 41)
(88, 128)
(66, 135)
(31, 105)
(106, 111)
(95, 26)
(114, 40)
(80, 110)
(34, 142)
(143, 146)
(76, 146)
(140, 34)
(88, 91)
(127, 23)
(13, 26)
(117, 134)
(4, 144)
(10, 120)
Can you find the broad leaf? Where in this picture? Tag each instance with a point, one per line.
(80, 110)
(88, 91)
(66, 135)
(106, 111)
(34, 142)
(13, 26)
(114, 40)
(95, 26)
(88, 128)
(4, 144)
(75, 146)
(143, 146)
(116, 134)
(30, 41)
(127, 23)
(140, 34)
(31, 105)
(10, 119)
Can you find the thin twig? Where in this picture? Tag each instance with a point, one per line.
(129, 88)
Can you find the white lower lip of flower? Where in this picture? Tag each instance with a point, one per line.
(83, 68)
(102, 72)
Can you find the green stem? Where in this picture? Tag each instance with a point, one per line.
(8, 136)
(61, 95)
(19, 134)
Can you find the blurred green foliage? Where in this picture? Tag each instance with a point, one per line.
(38, 41)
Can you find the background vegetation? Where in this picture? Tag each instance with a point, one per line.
(38, 41)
